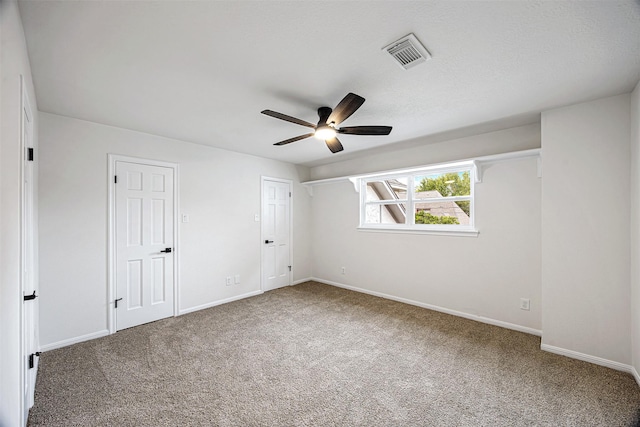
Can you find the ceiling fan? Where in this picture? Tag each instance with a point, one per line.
(329, 119)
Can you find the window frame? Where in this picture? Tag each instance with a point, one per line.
(410, 201)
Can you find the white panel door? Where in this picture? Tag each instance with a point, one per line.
(144, 243)
(29, 284)
(276, 234)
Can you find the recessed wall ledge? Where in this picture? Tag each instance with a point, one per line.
(480, 164)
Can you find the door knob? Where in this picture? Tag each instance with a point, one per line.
(167, 250)
(266, 242)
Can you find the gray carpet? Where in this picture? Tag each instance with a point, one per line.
(316, 355)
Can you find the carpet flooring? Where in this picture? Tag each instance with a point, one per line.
(316, 355)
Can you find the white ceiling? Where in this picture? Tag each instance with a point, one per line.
(202, 71)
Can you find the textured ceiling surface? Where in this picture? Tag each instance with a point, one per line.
(202, 71)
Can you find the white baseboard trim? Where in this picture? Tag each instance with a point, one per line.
(219, 302)
(74, 340)
(477, 318)
(105, 332)
(634, 372)
(297, 282)
(591, 359)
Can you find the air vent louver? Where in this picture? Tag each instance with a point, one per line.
(408, 52)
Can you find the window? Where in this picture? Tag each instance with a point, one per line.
(438, 199)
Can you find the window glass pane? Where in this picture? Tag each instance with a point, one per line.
(385, 200)
(442, 185)
(449, 213)
(392, 213)
(388, 189)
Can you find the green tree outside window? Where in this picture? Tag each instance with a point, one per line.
(448, 185)
(423, 217)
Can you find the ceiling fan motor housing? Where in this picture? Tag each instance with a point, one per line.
(324, 113)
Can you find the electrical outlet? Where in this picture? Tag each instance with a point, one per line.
(256, 218)
(228, 280)
(524, 304)
(237, 279)
(344, 270)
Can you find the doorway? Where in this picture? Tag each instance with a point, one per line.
(276, 233)
(143, 235)
(28, 282)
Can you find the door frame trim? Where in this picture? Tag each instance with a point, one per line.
(111, 218)
(264, 178)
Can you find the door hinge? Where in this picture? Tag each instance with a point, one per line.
(30, 154)
(289, 267)
(289, 193)
(115, 179)
(31, 359)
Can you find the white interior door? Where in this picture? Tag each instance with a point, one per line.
(144, 221)
(28, 282)
(276, 234)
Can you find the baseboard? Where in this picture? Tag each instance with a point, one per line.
(297, 282)
(591, 359)
(219, 302)
(482, 319)
(634, 372)
(74, 340)
(105, 332)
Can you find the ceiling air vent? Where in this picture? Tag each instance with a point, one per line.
(408, 51)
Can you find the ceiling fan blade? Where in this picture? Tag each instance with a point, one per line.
(290, 140)
(345, 108)
(334, 145)
(287, 118)
(365, 130)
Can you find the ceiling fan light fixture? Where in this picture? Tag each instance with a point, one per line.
(325, 132)
(329, 119)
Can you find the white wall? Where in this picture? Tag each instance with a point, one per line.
(585, 229)
(483, 144)
(220, 190)
(479, 277)
(13, 63)
(635, 230)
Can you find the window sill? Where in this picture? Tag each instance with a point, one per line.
(460, 233)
